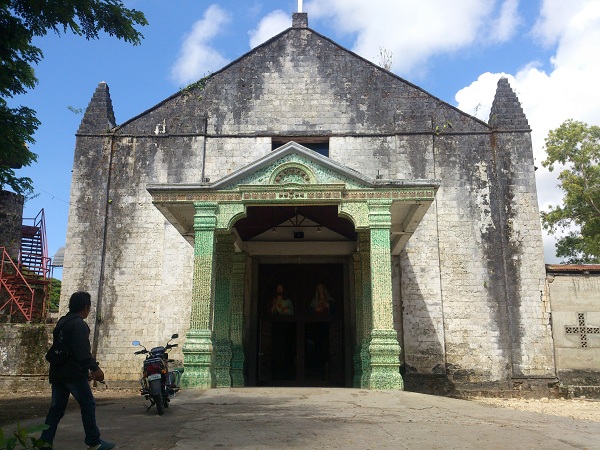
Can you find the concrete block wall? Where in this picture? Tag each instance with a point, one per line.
(575, 300)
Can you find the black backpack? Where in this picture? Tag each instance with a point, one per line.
(58, 353)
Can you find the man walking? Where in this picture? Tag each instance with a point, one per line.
(71, 377)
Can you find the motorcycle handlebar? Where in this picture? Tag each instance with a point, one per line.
(140, 352)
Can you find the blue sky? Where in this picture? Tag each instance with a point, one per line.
(549, 49)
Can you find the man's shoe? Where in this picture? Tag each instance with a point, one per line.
(103, 445)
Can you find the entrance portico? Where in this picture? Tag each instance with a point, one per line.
(278, 210)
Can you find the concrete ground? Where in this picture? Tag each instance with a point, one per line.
(317, 418)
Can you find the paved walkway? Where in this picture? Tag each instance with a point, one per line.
(322, 418)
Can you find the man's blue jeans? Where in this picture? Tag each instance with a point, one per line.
(80, 389)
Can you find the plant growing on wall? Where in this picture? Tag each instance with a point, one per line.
(20, 22)
(574, 147)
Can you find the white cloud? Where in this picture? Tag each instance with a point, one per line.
(197, 57)
(554, 17)
(504, 27)
(416, 31)
(548, 99)
(271, 25)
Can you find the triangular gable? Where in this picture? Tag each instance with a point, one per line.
(293, 163)
(388, 91)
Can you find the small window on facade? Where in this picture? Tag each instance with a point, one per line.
(319, 145)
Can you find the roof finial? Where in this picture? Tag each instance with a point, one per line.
(299, 6)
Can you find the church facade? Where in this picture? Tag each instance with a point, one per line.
(303, 217)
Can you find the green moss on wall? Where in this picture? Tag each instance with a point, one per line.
(34, 342)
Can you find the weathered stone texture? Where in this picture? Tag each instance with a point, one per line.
(22, 350)
(11, 219)
(469, 295)
(421, 299)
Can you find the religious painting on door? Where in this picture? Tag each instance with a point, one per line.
(301, 333)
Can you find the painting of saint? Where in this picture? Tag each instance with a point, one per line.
(281, 304)
(322, 303)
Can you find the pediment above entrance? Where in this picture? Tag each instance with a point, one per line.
(293, 163)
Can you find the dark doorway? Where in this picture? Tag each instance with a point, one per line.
(301, 333)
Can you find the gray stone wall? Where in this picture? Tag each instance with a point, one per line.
(22, 350)
(469, 295)
(11, 219)
(135, 264)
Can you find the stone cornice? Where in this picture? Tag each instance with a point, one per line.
(290, 193)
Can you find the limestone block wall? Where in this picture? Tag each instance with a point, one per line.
(225, 156)
(421, 300)
(141, 266)
(22, 350)
(456, 305)
(471, 264)
(529, 310)
(11, 219)
(82, 269)
(575, 300)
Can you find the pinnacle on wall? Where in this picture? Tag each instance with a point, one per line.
(506, 112)
(99, 116)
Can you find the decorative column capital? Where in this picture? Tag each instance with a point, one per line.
(380, 215)
(205, 218)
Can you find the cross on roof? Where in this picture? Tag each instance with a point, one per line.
(582, 329)
(299, 6)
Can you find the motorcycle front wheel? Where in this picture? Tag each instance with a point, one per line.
(160, 406)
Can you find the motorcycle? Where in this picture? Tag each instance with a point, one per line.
(158, 383)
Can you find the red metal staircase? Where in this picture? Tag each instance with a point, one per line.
(27, 282)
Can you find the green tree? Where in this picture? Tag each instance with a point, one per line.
(20, 22)
(574, 147)
(55, 293)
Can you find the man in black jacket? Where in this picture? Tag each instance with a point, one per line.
(72, 376)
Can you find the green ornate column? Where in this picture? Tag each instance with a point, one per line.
(364, 240)
(198, 348)
(362, 289)
(237, 320)
(222, 317)
(384, 350)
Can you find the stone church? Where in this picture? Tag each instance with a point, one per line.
(303, 217)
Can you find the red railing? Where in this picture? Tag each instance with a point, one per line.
(20, 294)
(33, 254)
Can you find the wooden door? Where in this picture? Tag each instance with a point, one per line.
(301, 334)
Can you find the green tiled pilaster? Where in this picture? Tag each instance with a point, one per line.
(364, 242)
(237, 320)
(362, 284)
(198, 347)
(384, 350)
(222, 319)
